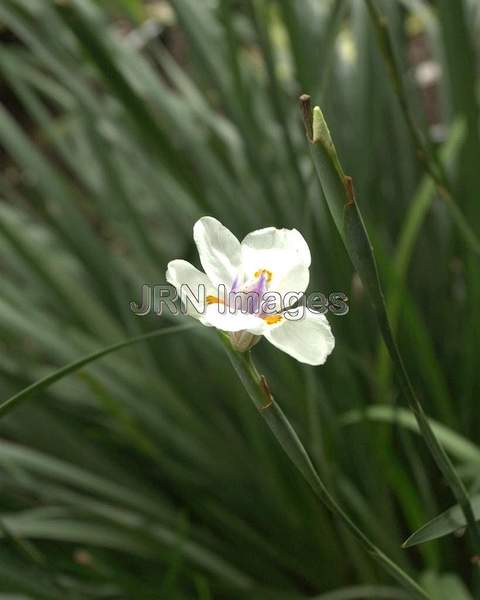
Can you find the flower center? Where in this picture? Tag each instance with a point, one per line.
(247, 298)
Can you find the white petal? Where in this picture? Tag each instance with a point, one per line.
(270, 239)
(192, 283)
(291, 281)
(282, 252)
(220, 317)
(309, 340)
(219, 251)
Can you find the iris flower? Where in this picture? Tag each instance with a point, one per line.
(246, 286)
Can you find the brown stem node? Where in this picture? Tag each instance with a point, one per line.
(266, 389)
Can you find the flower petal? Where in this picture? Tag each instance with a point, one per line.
(219, 316)
(284, 253)
(219, 251)
(290, 283)
(190, 283)
(309, 339)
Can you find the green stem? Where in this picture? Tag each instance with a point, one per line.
(258, 390)
(340, 197)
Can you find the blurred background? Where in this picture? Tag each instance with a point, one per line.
(148, 474)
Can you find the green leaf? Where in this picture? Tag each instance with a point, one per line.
(445, 586)
(47, 381)
(448, 522)
(454, 443)
(340, 197)
(258, 390)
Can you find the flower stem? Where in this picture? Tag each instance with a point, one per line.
(259, 391)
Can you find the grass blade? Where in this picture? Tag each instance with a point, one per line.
(47, 381)
(340, 197)
(258, 390)
(454, 443)
(450, 521)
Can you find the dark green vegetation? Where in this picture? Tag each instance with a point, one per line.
(147, 473)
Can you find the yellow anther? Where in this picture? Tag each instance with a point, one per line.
(272, 319)
(213, 300)
(268, 274)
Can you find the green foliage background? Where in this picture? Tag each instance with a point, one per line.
(148, 473)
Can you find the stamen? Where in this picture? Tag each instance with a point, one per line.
(266, 273)
(214, 300)
(272, 319)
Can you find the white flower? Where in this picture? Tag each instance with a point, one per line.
(268, 260)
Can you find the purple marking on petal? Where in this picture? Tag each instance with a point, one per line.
(235, 284)
(261, 285)
(258, 290)
(248, 298)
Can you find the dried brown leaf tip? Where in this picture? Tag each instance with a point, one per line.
(306, 107)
